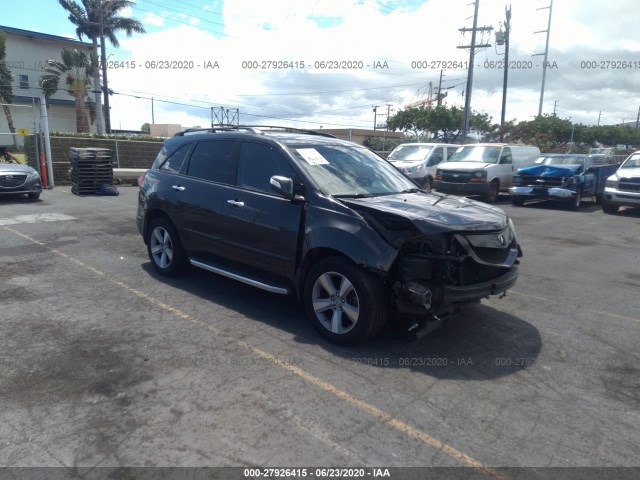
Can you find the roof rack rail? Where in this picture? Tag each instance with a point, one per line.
(275, 128)
(189, 131)
(260, 129)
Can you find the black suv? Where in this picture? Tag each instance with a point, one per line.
(298, 212)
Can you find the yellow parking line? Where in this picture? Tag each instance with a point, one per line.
(613, 315)
(377, 413)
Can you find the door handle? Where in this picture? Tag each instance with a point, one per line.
(179, 188)
(235, 203)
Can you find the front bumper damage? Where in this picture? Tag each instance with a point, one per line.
(475, 267)
(552, 193)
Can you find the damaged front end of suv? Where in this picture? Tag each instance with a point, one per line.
(450, 252)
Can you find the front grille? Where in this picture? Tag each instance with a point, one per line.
(629, 184)
(533, 181)
(492, 255)
(12, 180)
(471, 273)
(457, 177)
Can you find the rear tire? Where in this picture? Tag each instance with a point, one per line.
(345, 303)
(163, 246)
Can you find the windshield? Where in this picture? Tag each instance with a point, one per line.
(476, 154)
(632, 162)
(573, 160)
(410, 152)
(342, 170)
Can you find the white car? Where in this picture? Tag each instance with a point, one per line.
(623, 187)
(419, 161)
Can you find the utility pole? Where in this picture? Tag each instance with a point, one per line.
(375, 116)
(546, 53)
(472, 52)
(440, 90)
(638, 119)
(505, 40)
(555, 104)
(599, 115)
(388, 113)
(105, 83)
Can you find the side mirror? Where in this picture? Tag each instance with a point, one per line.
(284, 186)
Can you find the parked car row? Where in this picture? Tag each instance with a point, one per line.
(523, 172)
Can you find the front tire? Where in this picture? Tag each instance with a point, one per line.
(34, 196)
(494, 191)
(609, 208)
(576, 201)
(345, 303)
(517, 201)
(163, 246)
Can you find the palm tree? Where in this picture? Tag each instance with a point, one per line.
(75, 70)
(6, 87)
(100, 19)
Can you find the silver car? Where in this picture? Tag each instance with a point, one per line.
(18, 179)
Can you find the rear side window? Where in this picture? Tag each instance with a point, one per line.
(211, 160)
(174, 163)
(258, 163)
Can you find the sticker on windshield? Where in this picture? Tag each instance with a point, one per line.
(312, 156)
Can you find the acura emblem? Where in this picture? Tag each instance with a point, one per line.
(502, 240)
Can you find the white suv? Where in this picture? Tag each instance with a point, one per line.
(623, 187)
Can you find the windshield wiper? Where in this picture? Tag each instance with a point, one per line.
(357, 195)
(412, 190)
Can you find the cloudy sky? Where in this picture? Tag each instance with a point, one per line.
(346, 56)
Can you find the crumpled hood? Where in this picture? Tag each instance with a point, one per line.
(15, 168)
(435, 213)
(550, 170)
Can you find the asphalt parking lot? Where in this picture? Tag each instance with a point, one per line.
(105, 364)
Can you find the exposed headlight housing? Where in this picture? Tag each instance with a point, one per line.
(611, 183)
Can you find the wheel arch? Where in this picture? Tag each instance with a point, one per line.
(150, 216)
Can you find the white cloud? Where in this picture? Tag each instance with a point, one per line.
(313, 31)
(153, 19)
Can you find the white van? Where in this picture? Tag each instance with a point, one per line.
(483, 169)
(420, 160)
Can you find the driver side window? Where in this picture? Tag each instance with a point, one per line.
(257, 164)
(436, 157)
(506, 157)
